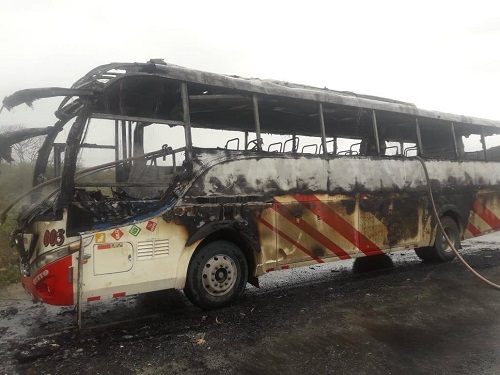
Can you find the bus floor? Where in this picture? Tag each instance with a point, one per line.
(406, 317)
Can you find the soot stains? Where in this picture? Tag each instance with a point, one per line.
(349, 205)
(318, 251)
(374, 205)
(400, 214)
(291, 210)
(403, 221)
(302, 185)
(273, 187)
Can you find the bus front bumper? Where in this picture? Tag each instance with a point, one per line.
(52, 284)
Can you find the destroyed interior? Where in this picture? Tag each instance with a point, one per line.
(170, 177)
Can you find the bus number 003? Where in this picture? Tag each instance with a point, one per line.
(53, 237)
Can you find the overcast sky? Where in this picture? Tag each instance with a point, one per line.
(439, 55)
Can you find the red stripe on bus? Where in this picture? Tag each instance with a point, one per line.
(310, 230)
(471, 228)
(116, 295)
(96, 298)
(484, 213)
(296, 244)
(343, 227)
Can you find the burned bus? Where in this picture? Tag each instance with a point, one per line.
(173, 178)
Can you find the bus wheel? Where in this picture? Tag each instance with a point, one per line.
(441, 251)
(217, 275)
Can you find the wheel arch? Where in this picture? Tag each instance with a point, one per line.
(453, 212)
(228, 230)
(240, 240)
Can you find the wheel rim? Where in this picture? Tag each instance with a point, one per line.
(449, 233)
(219, 275)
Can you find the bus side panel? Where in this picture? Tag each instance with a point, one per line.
(320, 226)
(395, 221)
(265, 259)
(484, 216)
(315, 227)
(131, 259)
(342, 207)
(325, 209)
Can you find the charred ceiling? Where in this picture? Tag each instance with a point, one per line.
(142, 96)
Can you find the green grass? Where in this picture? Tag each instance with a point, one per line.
(14, 179)
(9, 271)
(9, 275)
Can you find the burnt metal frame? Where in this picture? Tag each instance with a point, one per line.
(420, 148)
(90, 86)
(187, 120)
(452, 127)
(257, 121)
(322, 127)
(375, 131)
(295, 144)
(483, 143)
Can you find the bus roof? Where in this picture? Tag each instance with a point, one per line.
(97, 80)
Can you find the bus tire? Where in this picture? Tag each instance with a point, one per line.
(217, 275)
(441, 251)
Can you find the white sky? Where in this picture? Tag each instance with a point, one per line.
(441, 55)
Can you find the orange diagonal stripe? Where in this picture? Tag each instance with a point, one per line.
(289, 239)
(337, 222)
(311, 231)
(488, 216)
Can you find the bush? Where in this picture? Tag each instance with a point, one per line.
(14, 180)
(9, 275)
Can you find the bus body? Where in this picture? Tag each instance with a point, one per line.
(298, 176)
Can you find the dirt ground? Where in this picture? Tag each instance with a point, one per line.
(411, 318)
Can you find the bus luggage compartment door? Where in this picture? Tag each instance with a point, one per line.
(113, 258)
(390, 222)
(313, 227)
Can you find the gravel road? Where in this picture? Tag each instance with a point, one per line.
(393, 316)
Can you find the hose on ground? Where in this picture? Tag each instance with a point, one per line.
(436, 216)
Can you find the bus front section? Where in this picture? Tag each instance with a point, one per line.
(97, 185)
